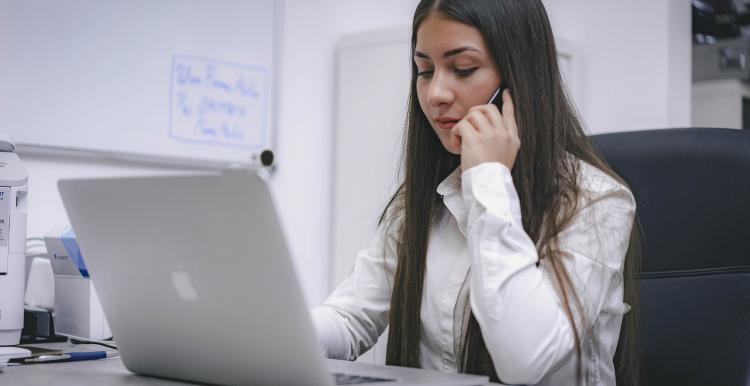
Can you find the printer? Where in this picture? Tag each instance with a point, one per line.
(13, 215)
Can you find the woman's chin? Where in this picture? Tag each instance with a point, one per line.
(452, 149)
(448, 144)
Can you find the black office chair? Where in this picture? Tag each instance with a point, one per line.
(692, 188)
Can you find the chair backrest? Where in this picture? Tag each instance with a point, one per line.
(692, 188)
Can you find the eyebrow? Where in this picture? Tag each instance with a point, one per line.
(452, 52)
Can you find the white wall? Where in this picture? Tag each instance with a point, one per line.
(301, 183)
(718, 103)
(635, 60)
(303, 180)
(354, 16)
(45, 207)
(627, 86)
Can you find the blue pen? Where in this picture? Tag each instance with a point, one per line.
(72, 357)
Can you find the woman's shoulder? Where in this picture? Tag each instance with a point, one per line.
(594, 183)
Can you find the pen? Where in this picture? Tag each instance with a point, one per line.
(71, 357)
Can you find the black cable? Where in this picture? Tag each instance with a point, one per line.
(77, 341)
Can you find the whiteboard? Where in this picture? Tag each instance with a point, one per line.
(167, 79)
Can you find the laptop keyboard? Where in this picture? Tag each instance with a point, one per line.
(351, 379)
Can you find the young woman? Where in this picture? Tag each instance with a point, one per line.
(507, 249)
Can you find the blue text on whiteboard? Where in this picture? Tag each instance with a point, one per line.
(219, 103)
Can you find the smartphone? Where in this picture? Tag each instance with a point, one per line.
(497, 96)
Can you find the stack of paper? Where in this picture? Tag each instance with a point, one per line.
(7, 353)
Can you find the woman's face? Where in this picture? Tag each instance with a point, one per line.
(455, 73)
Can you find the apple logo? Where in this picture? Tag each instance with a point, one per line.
(183, 285)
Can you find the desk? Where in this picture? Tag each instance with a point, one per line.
(108, 371)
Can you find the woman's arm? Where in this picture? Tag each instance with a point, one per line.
(515, 302)
(356, 313)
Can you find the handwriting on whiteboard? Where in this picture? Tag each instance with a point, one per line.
(218, 102)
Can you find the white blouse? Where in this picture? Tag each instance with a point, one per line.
(478, 246)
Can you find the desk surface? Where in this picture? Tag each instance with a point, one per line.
(108, 371)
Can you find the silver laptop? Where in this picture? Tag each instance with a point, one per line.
(197, 283)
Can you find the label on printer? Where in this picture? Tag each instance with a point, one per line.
(4, 216)
(4, 220)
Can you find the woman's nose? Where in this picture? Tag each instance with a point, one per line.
(439, 92)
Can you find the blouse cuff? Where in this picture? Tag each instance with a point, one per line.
(332, 334)
(489, 187)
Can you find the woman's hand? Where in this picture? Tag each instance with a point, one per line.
(486, 135)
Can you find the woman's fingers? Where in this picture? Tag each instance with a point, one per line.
(487, 135)
(493, 114)
(479, 119)
(462, 131)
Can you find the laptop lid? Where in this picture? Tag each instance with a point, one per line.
(195, 277)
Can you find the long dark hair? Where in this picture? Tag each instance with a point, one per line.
(519, 37)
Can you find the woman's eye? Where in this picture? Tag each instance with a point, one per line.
(464, 72)
(425, 73)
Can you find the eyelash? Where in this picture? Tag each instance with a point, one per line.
(462, 72)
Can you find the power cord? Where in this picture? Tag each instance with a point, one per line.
(80, 340)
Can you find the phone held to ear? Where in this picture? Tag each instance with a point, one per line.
(497, 97)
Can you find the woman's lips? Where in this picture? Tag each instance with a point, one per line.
(446, 123)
